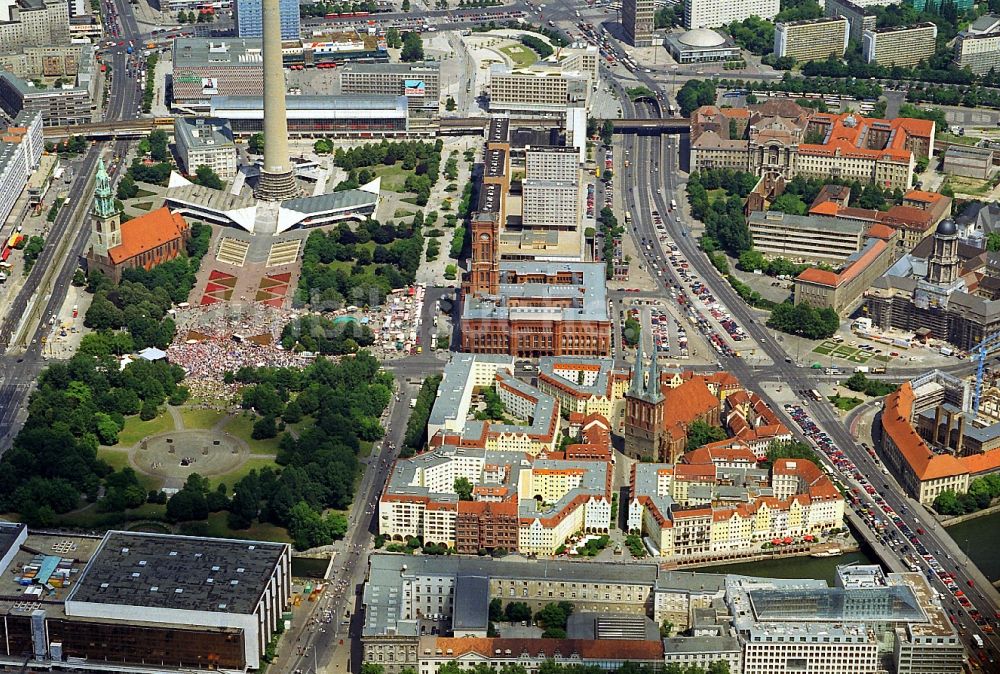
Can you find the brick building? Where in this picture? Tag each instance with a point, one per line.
(146, 241)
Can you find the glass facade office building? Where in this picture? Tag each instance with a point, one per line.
(250, 23)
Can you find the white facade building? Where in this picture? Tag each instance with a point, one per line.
(715, 13)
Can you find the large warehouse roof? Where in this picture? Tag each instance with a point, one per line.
(178, 572)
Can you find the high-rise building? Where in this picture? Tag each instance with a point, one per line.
(248, 16)
(637, 19)
(715, 13)
(978, 47)
(551, 188)
(860, 18)
(900, 45)
(812, 39)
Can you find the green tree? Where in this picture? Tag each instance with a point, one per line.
(392, 38)
(700, 433)
(496, 610)
(947, 503)
(463, 488)
(204, 175)
(607, 131)
(256, 143)
(413, 48)
(450, 105)
(517, 611)
(158, 150)
(789, 203)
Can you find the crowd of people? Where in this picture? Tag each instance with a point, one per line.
(214, 339)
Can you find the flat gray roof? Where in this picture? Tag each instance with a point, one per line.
(807, 222)
(198, 132)
(472, 603)
(339, 102)
(178, 572)
(587, 298)
(392, 68)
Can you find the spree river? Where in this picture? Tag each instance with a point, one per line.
(822, 568)
(978, 538)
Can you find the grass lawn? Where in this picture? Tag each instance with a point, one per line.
(520, 55)
(822, 350)
(118, 459)
(715, 194)
(218, 526)
(234, 476)
(845, 403)
(201, 418)
(960, 140)
(242, 425)
(144, 193)
(965, 185)
(143, 205)
(136, 429)
(393, 177)
(402, 213)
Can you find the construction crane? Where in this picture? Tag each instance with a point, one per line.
(980, 352)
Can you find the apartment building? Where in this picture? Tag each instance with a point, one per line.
(716, 13)
(21, 146)
(533, 430)
(34, 23)
(419, 82)
(586, 386)
(207, 142)
(812, 39)
(518, 502)
(637, 19)
(899, 45)
(682, 507)
(249, 20)
(978, 46)
(538, 90)
(551, 196)
(857, 14)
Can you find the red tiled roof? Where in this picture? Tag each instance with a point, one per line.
(880, 231)
(603, 649)
(924, 463)
(146, 232)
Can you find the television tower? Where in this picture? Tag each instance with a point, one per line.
(277, 178)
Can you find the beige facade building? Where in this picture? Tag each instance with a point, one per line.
(770, 139)
(538, 90)
(805, 237)
(843, 290)
(812, 39)
(33, 23)
(899, 45)
(205, 142)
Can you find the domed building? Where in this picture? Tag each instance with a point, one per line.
(701, 45)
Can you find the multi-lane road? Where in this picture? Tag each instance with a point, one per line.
(648, 195)
(44, 291)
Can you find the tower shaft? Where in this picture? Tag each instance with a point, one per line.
(277, 179)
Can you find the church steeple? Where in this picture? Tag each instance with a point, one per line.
(653, 392)
(104, 200)
(105, 220)
(638, 386)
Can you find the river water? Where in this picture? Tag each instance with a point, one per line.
(824, 568)
(978, 538)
